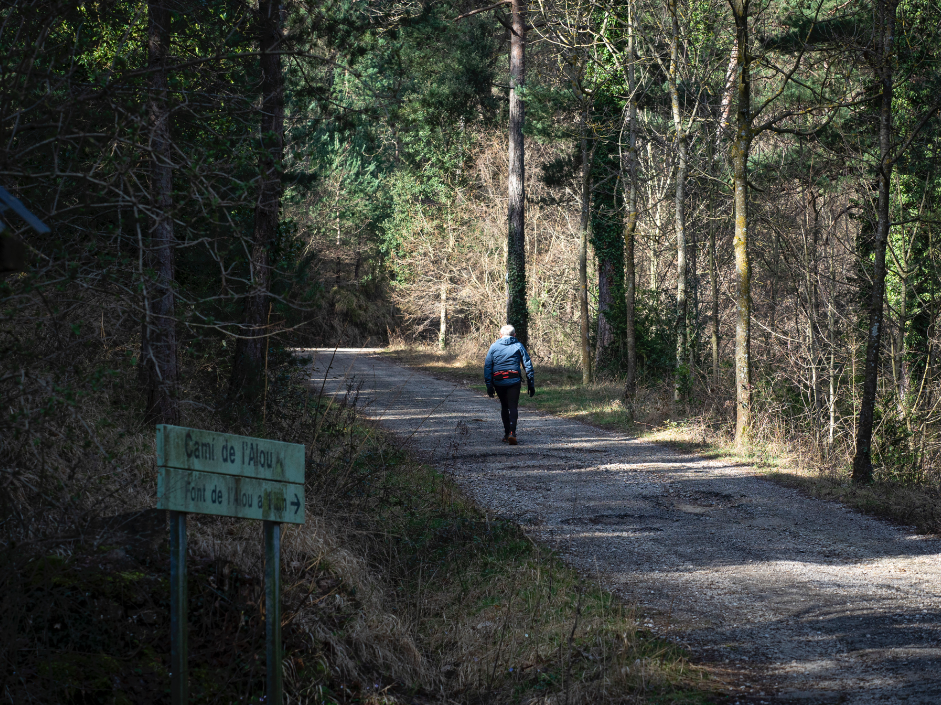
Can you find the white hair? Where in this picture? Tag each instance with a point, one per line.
(508, 331)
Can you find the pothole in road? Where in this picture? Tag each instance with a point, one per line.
(702, 501)
(619, 520)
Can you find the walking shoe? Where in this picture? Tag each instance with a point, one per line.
(505, 439)
(511, 439)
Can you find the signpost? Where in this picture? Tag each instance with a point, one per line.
(204, 472)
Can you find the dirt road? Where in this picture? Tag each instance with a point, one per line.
(799, 600)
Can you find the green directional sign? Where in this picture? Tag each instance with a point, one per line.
(192, 449)
(203, 472)
(229, 496)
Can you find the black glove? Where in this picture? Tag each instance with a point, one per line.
(532, 389)
(490, 392)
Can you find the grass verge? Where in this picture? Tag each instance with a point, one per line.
(502, 619)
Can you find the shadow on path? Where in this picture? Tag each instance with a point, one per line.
(819, 604)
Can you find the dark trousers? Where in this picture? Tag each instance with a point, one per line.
(509, 406)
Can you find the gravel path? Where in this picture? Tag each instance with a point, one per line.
(789, 599)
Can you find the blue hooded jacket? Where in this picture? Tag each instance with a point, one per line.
(505, 362)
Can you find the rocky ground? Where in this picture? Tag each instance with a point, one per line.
(788, 598)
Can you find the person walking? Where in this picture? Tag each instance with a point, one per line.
(503, 373)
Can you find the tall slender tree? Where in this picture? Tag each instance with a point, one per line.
(250, 348)
(744, 131)
(584, 223)
(158, 336)
(741, 145)
(682, 169)
(629, 186)
(884, 68)
(883, 58)
(517, 313)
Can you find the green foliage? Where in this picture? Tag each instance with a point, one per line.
(379, 148)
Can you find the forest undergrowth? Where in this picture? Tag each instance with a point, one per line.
(704, 423)
(397, 588)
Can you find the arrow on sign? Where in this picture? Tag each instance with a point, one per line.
(296, 503)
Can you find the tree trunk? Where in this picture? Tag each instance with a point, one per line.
(158, 340)
(680, 378)
(692, 306)
(443, 329)
(250, 348)
(885, 27)
(810, 238)
(583, 251)
(900, 363)
(606, 285)
(714, 291)
(713, 278)
(607, 238)
(831, 338)
(741, 143)
(629, 183)
(658, 230)
(517, 314)
(773, 294)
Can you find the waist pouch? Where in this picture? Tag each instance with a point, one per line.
(506, 376)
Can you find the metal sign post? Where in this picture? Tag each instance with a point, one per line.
(179, 674)
(273, 609)
(225, 475)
